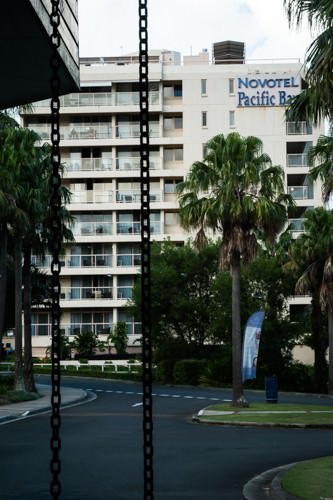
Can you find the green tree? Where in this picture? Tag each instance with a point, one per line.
(119, 337)
(181, 287)
(311, 254)
(86, 343)
(234, 191)
(315, 102)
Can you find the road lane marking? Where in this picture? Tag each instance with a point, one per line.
(137, 404)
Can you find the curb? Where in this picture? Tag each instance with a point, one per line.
(268, 485)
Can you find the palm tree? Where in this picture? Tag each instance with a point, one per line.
(312, 252)
(235, 191)
(315, 102)
(321, 162)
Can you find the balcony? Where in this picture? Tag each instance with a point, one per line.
(99, 260)
(134, 196)
(100, 99)
(133, 163)
(135, 227)
(92, 228)
(297, 160)
(88, 164)
(75, 132)
(296, 225)
(300, 192)
(128, 260)
(131, 130)
(71, 329)
(91, 196)
(298, 128)
(85, 292)
(124, 292)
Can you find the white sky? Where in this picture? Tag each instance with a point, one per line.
(110, 27)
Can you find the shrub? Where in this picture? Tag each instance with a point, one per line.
(188, 371)
(218, 372)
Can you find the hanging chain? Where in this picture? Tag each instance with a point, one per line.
(145, 255)
(55, 244)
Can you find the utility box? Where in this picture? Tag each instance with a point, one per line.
(271, 388)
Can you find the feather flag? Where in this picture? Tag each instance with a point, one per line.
(251, 345)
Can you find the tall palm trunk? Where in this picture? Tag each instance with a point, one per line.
(237, 386)
(319, 345)
(19, 385)
(330, 351)
(3, 276)
(29, 381)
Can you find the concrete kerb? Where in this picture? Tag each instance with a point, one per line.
(268, 485)
(24, 409)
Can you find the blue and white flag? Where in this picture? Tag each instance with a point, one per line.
(251, 345)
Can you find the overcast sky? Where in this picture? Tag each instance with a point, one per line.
(110, 27)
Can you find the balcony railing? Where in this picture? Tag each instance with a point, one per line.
(296, 225)
(88, 164)
(133, 163)
(299, 192)
(128, 260)
(85, 292)
(101, 99)
(297, 160)
(298, 128)
(124, 292)
(91, 196)
(132, 130)
(98, 260)
(135, 227)
(92, 228)
(74, 132)
(71, 329)
(134, 196)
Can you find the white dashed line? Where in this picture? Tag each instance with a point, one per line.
(137, 404)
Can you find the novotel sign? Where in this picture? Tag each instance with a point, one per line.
(267, 90)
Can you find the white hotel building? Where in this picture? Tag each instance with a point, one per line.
(191, 100)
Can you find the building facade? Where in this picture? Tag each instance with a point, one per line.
(190, 101)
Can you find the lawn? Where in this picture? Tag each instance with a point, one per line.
(269, 414)
(311, 479)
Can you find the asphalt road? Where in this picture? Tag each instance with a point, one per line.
(102, 447)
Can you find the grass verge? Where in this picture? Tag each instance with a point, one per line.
(268, 414)
(311, 479)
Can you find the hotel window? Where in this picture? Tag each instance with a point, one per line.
(204, 119)
(172, 90)
(231, 85)
(173, 122)
(173, 154)
(171, 218)
(170, 186)
(231, 118)
(204, 87)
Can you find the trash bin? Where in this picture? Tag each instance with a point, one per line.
(271, 388)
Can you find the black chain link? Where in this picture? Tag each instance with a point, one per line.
(145, 255)
(55, 247)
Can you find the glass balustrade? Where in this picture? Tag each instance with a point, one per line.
(128, 260)
(101, 99)
(297, 160)
(134, 196)
(124, 292)
(298, 128)
(74, 132)
(133, 163)
(91, 197)
(299, 192)
(296, 225)
(92, 228)
(72, 329)
(88, 164)
(85, 292)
